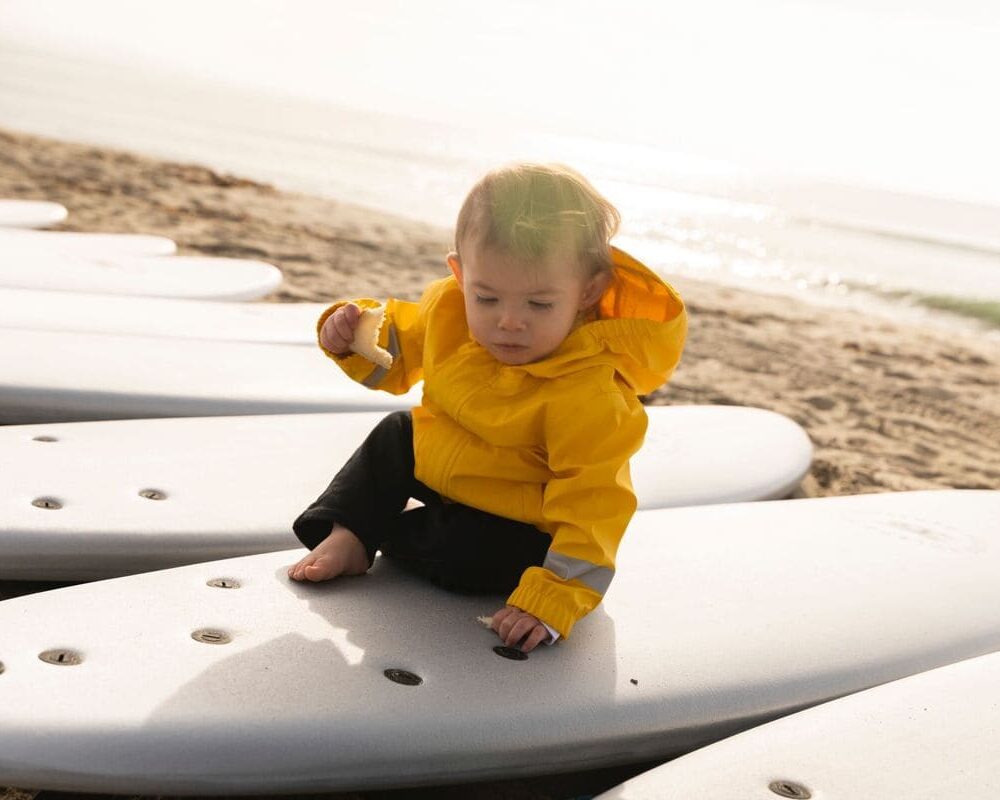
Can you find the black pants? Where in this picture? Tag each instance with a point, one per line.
(456, 546)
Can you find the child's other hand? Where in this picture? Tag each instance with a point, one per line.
(512, 625)
(337, 332)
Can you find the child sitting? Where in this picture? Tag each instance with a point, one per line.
(533, 355)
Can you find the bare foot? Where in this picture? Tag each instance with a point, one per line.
(340, 553)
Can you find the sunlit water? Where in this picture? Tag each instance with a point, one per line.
(685, 215)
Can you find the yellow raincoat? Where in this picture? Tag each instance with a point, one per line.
(547, 443)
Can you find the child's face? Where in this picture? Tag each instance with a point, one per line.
(522, 311)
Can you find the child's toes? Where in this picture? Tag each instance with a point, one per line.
(297, 571)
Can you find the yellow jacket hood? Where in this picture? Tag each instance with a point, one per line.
(639, 330)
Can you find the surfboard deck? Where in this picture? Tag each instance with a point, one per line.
(30, 213)
(69, 243)
(190, 277)
(227, 678)
(275, 323)
(71, 377)
(930, 736)
(63, 519)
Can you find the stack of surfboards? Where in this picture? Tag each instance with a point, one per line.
(120, 264)
(77, 343)
(725, 612)
(126, 264)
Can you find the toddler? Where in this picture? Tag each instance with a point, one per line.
(533, 355)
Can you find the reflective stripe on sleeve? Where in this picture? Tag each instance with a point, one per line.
(379, 373)
(569, 568)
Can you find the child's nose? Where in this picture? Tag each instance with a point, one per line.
(510, 321)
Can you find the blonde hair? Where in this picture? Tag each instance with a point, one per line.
(532, 210)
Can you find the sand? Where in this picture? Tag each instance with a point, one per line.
(888, 406)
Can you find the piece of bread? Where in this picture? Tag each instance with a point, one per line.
(366, 337)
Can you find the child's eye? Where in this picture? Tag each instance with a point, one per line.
(485, 300)
(540, 306)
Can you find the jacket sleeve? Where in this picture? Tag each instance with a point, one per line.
(587, 505)
(402, 334)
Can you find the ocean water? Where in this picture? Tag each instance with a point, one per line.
(811, 239)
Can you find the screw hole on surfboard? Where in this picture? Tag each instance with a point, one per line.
(790, 789)
(403, 676)
(46, 502)
(224, 583)
(61, 657)
(510, 652)
(211, 636)
(45, 439)
(153, 494)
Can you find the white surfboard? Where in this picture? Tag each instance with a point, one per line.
(228, 678)
(75, 376)
(175, 491)
(13, 242)
(927, 737)
(277, 323)
(192, 277)
(30, 213)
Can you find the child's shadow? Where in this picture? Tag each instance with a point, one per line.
(314, 704)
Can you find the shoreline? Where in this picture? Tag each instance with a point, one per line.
(888, 406)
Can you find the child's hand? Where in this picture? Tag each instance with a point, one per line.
(337, 332)
(512, 625)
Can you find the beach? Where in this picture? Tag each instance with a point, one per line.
(889, 406)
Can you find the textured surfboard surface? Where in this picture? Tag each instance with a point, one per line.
(227, 678)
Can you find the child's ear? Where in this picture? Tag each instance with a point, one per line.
(594, 289)
(455, 266)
